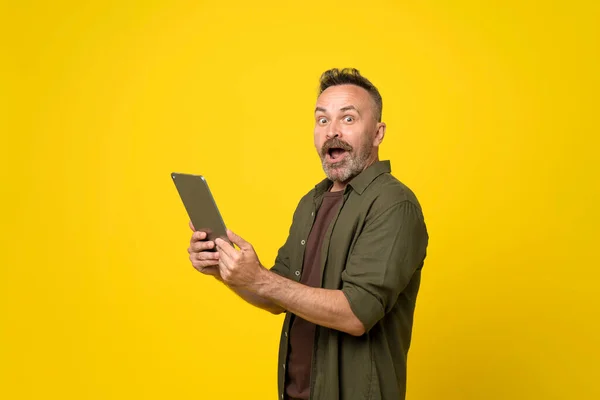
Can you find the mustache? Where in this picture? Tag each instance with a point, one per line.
(335, 143)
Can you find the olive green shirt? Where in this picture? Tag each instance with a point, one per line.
(373, 251)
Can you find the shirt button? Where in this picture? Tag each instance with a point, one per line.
(312, 214)
(303, 242)
(285, 334)
(297, 273)
(283, 366)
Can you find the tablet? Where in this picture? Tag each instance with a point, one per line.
(200, 205)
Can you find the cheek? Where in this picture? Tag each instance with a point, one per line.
(319, 137)
(358, 140)
(351, 137)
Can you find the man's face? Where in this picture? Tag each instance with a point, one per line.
(346, 131)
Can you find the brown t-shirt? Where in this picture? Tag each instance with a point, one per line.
(302, 332)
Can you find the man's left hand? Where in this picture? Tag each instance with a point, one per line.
(238, 268)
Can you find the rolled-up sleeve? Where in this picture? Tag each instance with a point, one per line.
(284, 254)
(282, 261)
(390, 248)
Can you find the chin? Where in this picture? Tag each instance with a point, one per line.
(340, 174)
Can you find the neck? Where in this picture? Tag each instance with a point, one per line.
(337, 186)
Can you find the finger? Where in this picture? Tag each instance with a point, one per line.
(206, 255)
(204, 259)
(198, 235)
(204, 264)
(238, 241)
(192, 227)
(224, 257)
(212, 270)
(202, 246)
(225, 247)
(224, 271)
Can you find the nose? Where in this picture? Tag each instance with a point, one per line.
(333, 130)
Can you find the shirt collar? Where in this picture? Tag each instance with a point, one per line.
(360, 182)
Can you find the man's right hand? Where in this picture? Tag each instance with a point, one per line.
(203, 260)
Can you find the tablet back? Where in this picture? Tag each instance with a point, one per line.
(200, 205)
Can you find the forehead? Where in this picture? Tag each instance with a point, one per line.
(336, 97)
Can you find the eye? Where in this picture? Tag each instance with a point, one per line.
(349, 118)
(322, 120)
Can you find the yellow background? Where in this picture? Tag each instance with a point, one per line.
(492, 112)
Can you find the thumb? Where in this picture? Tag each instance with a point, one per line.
(192, 227)
(238, 241)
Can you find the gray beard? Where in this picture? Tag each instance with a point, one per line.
(345, 170)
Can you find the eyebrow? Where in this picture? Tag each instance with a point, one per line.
(346, 108)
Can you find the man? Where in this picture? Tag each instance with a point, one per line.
(349, 272)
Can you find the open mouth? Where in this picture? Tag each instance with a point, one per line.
(336, 154)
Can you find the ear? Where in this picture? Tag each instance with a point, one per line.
(379, 134)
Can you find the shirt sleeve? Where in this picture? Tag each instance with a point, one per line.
(282, 260)
(390, 248)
